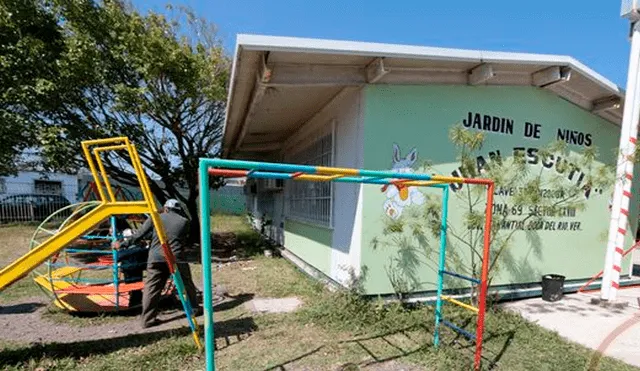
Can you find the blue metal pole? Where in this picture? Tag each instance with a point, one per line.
(441, 265)
(205, 243)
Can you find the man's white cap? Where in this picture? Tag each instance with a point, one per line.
(172, 204)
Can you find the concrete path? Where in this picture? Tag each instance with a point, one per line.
(615, 332)
(280, 305)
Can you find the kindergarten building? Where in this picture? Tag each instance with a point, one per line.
(379, 106)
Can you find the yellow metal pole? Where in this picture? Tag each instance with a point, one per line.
(336, 170)
(422, 183)
(465, 306)
(112, 148)
(321, 178)
(105, 177)
(94, 172)
(94, 142)
(162, 237)
(448, 179)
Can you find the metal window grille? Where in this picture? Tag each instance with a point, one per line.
(48, 187)
(312, 201)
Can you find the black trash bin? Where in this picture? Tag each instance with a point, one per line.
(552, 287)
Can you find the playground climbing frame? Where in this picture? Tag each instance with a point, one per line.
(266, 170)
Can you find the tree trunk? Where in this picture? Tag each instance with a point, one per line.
(194, 227)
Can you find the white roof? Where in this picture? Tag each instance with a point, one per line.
(302, 75)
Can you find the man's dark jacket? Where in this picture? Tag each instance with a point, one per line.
(177, 230)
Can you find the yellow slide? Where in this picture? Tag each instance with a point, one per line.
(60, 240)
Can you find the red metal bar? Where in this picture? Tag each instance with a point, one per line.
(482, 300)
(228, 173)
(582, 288)
(486, 182)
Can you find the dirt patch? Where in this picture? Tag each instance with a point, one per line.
(24, 323)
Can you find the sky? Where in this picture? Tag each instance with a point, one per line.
(591, 31)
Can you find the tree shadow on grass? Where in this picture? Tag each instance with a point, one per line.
(361, 342)
(228, 303)
(491, 358)
(239, 329)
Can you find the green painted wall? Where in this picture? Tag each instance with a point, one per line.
(310, 243)
(229, 200)
(420, 117)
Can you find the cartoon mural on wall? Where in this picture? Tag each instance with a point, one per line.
(398, 195)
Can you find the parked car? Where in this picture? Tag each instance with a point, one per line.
(31, 207)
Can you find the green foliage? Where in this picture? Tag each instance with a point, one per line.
(30, 44)
(465, 241)
(95, 69)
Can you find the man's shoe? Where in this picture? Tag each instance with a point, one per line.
(153, 323)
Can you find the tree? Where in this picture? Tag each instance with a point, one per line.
(159, 81)
(576, 178)
(30, 45)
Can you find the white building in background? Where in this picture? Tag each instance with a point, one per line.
(33, 182)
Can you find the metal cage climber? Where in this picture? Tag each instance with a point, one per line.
(266, 170)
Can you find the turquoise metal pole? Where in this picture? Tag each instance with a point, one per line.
(114, 252)
(441, 265)
(205, 245)
(291, 168)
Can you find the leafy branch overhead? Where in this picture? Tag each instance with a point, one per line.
(159, 79)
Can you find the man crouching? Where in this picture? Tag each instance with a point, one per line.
(177, 231)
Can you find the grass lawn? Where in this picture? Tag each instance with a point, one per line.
(329, 331)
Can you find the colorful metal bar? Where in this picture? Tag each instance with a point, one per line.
(459, 303)
(85, 251)
(477, 181)
(228, 173)
(267, 170)
(482, 299)
(205, 243)
(424, 183)
(93, 170)
(96, 142)
(114, 252)
(111, 148)
(448, 179)
(162, 237)
(87, 266)
(291, 168)
(599, 274)
(105, 177)
(441, 263)
(459, 330)
(474, 280)
(320, 178)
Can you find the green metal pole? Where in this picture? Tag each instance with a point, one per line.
(443, 247)
(205, 245)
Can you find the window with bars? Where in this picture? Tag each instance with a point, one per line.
(312, 201)
(47, 187)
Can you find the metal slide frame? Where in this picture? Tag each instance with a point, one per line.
(109, 206)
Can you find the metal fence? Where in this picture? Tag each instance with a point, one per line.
(33, 201)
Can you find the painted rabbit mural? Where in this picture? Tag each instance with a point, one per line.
(399, 196)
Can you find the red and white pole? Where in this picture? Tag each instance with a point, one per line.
(624, 174)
